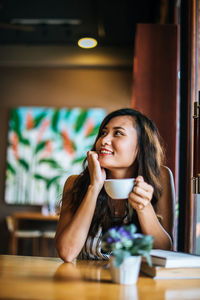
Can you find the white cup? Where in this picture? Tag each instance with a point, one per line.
(119, 188)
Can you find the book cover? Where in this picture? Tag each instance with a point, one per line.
(157, 272)
(173, 259)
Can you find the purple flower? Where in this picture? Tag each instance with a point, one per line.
(109, 240)
(124, 233)
(117, 240)
(113, 240)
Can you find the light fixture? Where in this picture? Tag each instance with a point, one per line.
(87, 42)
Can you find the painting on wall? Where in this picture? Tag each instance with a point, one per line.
(45, 146)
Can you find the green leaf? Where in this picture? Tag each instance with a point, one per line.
(119, 256)
(148, 258)
(40, 177)
(38, 119)
(57, 188)
(132, 228)
(24, 141)
(78, 160)
(15, 121)
(40, 146)
(80, 120)
(10, 168)
(53, 163)
(55, 119)
(24, 164)
(68, 112)
(52, 180)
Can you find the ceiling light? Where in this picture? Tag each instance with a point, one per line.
(87, 42)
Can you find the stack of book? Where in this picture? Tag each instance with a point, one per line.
(172, 265)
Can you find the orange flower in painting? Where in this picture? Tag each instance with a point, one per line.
(48, 148)
(67, 143)
(89, 127)
(29, 121)
(15, 142)
(42, 129)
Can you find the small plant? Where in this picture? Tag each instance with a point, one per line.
(123, 242)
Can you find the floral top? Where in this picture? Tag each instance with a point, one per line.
(92, 247)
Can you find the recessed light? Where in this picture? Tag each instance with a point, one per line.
(87, 42)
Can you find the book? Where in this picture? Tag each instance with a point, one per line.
(157, 272)
(173, 259)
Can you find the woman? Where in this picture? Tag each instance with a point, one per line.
(127, 146)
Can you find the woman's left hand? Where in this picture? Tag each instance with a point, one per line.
(141, 195)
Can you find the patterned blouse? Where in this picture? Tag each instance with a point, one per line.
(92, 247)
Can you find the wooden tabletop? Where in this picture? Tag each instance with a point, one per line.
(28, 278)
(34, 216)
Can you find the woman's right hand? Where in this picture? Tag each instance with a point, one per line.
(97, 174)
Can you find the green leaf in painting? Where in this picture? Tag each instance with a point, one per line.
(24, 164)
(80, 120)
(94, 131)
(24, 141)
(78, 160)
(68, 112)
(40, 177)
(52, 180)
(54, 121)
(10, 168)
(57, 188)
(39, 119)
(15, 121)
(53, 163)
(40, 146)
(73, 145)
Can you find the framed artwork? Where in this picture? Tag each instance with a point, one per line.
(45, 146)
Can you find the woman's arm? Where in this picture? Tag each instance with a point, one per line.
(140, 199)
(73, 229)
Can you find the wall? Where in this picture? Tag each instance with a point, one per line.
(107, 87)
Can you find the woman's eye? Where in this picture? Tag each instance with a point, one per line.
(103, 133)
(118, 132)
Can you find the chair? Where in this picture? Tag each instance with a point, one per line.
(46, 236)
(22, 234)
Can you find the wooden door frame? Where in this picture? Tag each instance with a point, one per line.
(189, 48)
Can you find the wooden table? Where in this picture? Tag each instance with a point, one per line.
(28, 278)
(31, 216)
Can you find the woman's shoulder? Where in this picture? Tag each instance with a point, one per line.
(69, 183)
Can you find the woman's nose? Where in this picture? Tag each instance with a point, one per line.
(106, 140)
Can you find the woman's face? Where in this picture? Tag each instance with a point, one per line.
(117, 147)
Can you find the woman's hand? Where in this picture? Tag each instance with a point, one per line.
(141, 195)
(97, 174)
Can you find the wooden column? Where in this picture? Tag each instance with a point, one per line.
(155, 82)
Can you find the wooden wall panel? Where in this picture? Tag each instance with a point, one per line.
(155, 82)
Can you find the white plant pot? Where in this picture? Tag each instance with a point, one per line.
(127, 272)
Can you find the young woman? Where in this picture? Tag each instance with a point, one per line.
(127, 146)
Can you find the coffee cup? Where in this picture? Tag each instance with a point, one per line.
(119, 188)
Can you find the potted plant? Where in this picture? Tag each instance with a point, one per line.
(126, 248)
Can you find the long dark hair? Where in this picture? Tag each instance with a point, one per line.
(150, 157)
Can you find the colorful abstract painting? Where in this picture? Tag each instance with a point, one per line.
(45, 146)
